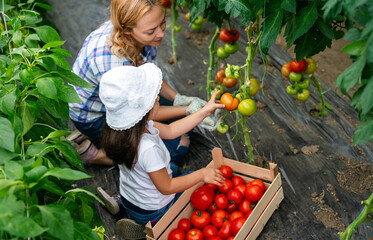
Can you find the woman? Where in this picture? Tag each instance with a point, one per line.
(131, 37)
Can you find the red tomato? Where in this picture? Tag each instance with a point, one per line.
(235, 195)
(229, 102)
(202, 198)
(218, 217)
(285, 70)
(298, 67)
(226, 171)
(248, 213)
(166, 3)
(253, 193)
(200, 219)
(221, 201)
(231, 207)
(226, 186)
(229, 35)
(229, 82)
(225, 230)
(230, 238)
(215, 238)
(184, 224)
(257, 182)
(177, 234)
(210, 231)
(214, 187)
(241, 188)
(212, 208)
(194, 234)
(245, 206)
(237, 180)
(236, 214)
(220, 75)
(237, 224)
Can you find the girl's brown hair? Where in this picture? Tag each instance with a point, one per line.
(122, 146)
(124, 16)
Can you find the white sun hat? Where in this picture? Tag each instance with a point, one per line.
(129, 93)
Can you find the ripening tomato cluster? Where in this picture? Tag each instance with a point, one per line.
(220, 212)
(296, 72)
(197, 23)
(230, 38)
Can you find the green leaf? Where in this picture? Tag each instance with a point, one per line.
(332, 8)
(24, 227)
(272, 27)
(47, 88)
(367, 96)
(61, 51)
(58, 220)
(36, 149)
(56, 109)
(81, 191)
(237, 8)
(7, 135)
(68, 94)
(67, 174)
(44, 6)
(85, 212)
(36, 173)
(72, 78)
(350, 77)
(8, 103)
(352, 34)
(305, 20)
(325, 28)
(17, 38)
(13, 170)
(6, 183)
(28, 118)
(288, 5)
(47, 34)
(82, 232)
(53, 188)
(53, 44)
(356, 48)
(70, 154)
(6, 155)
(364, 132)
(60, 61)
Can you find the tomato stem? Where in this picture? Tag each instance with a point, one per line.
(211, 60)
(173, 24)
(247, 139)
(318, 88)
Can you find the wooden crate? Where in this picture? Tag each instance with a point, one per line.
(255, 223)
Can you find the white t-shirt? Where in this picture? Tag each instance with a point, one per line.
(136, 185)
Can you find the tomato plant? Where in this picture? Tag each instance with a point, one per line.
(291, 89)
(218, 88)
(254, 87)
(311, 66)
(295, 77)
(304, 83)
(166, 3)
(202, 197)
(247, 107)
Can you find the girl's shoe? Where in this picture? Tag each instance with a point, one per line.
(112, 201)
(129, 229)
(76, 137)
(87, 151)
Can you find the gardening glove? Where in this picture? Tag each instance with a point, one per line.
(195, 105)
(213, 121)
(181, 100)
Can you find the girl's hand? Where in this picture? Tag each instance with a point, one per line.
(212, 104)
(212, 175)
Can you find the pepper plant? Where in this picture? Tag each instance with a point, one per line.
(38, 199)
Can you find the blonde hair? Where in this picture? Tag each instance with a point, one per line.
(124, 16)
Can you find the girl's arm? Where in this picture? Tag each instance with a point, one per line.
(167, 92)
(184, 125)
(170, 112)
(167, 185)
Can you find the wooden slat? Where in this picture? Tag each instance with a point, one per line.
(263, 219)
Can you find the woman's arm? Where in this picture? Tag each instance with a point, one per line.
(184, 125)
(167, 92)
(167, 185)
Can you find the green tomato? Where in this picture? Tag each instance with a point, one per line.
(239, 96)
(303, 95)
(217, 88)
(291, 90)
(185, 3)
(196, 27)
(295, 77)
(198, 20)
(247, 107)
(223, 128)
(304, 83)
(177, 28)
(231, 48)
(222, 54)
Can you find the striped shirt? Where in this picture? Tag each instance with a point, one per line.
(94, 59)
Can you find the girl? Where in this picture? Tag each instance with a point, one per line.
(133, 140)
(130, 37)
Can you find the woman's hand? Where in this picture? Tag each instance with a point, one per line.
(212, 175)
